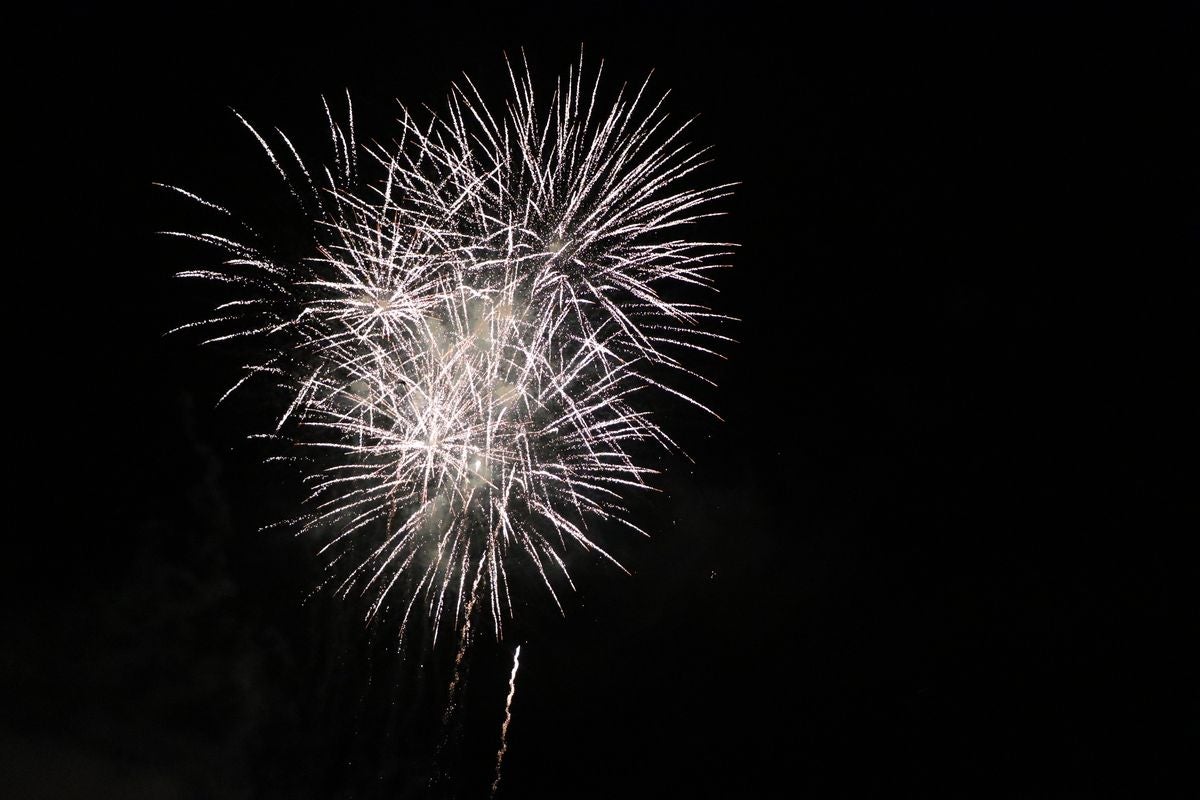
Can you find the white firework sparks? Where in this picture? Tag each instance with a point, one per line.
(469, 347)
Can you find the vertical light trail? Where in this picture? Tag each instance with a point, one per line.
(512, 690)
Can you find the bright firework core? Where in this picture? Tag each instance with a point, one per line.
(470, 349)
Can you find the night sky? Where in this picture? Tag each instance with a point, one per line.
(931, 550)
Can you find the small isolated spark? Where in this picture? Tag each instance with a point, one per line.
(469, 346)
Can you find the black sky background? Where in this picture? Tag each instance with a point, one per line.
(933, 549)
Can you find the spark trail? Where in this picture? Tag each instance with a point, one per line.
(470, 343)
(512, 690)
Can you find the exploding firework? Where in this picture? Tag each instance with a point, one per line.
(469, 348)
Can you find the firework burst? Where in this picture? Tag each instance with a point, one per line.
(469, 348)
